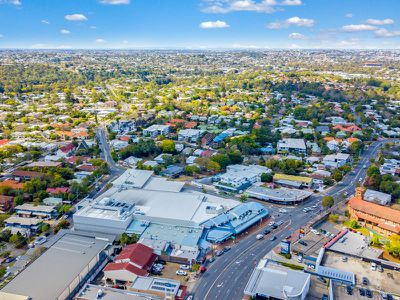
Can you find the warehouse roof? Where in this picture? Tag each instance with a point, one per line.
(50, 274)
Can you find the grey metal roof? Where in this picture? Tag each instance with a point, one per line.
(50, 274)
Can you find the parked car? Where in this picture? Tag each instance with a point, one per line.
(271, 223)
(380, 268)
(266, 231)
(259, 236)
(226, 249)
(349, 290)
(303, 243)
(344, 258)
(211, 259)
(40, 240)
(321, 279)
(279, 223)
(373, 266)
(272, 238)
(9, 259)
(365, 281)
(184, 267)
(219, 253)
(389, 297)
(369, 294)
(181, 273)
(361, 291)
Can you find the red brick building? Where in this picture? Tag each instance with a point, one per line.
(381, 219)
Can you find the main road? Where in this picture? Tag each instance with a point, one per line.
(227, 276)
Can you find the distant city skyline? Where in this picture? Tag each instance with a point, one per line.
(199, 24)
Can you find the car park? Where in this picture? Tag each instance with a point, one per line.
(181, 273)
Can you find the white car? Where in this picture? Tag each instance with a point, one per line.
(184, 267)
(373, 266)
(283, 211)
(181, 273)
(259, 236)
(40, 240)
(271, 223)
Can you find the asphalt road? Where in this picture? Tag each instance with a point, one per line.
(227, 276)
(115, 170)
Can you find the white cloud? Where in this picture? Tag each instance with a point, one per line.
(296, 36)
(348, 15)
(76, 17)
(100, 41)
(382, 32)
(291, 2)
(13, 2)
(115, 2)
(358, 27)
(213, 24)
(295, 21)
(261, 6)
(45, 22)
(65, 31)
(380, 22)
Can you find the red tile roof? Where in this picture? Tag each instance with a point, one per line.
(15, 185)
(27, 174)
(375, 210)
(190, 125)
(67, 148)
(125, 266)
(139, 254)
(4, 142)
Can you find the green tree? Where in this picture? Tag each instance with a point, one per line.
(222, 159)
(334, 218)
(168, 146)
(127, 239)
(328, 201)
(266, 177)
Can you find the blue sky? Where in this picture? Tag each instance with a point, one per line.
(199, 24)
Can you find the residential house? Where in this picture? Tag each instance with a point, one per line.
(38, 211)
(134, 260)
(156, 130)
(190, 135)
(6, 203)
(290, 145)
(333, 161)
